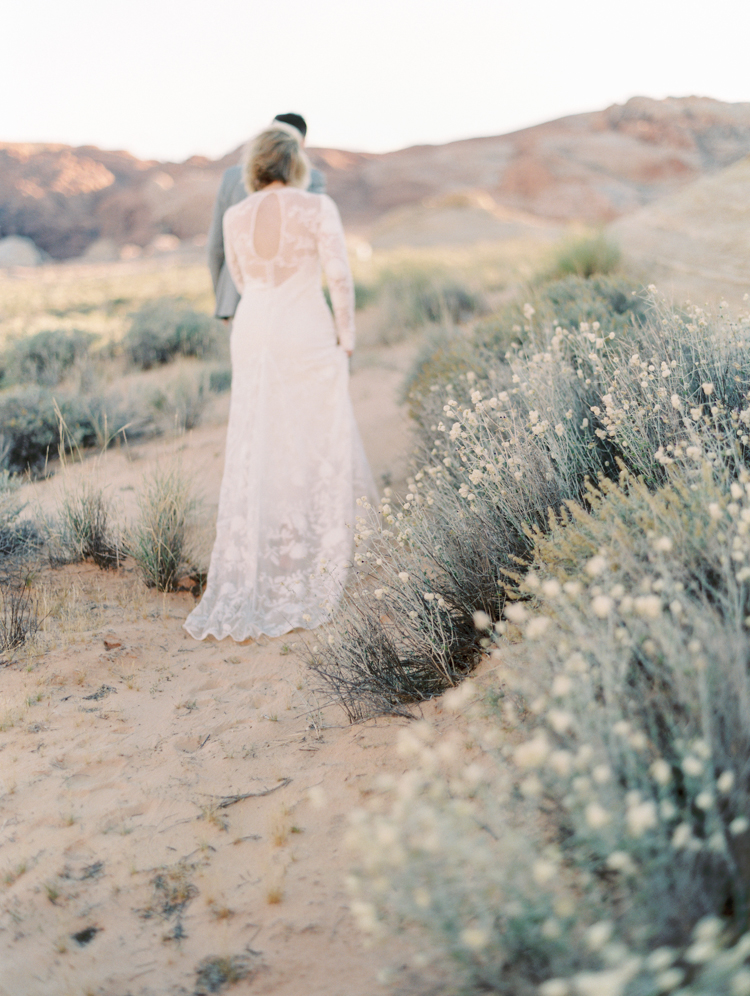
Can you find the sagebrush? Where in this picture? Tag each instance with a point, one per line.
(600, 844)
(162, 329)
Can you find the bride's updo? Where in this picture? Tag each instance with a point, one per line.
(275, 155)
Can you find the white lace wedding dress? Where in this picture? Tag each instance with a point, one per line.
(294, 463)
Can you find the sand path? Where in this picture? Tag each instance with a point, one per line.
(121, 871)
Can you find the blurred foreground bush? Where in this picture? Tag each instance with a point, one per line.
(590, 498)
(599, 843)
(497, 452)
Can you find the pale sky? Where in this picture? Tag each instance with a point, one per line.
(165, 79)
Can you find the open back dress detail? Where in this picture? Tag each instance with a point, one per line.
(294, 463)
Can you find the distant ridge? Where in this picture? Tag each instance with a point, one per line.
(591, 167)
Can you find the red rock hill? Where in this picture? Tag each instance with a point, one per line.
(591, 167)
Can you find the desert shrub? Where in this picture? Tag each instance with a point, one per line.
(180, 407)
(609, 850)
(405, 632)
(585, 256)
(159, 540)
(364, 294)
(572, 407)
(413, 298)
(111, 417)
(444, 355)
(396, 641)
(20, 539)
(214, 975)
(617, 304)
(610, 304)
(86, 529)
(220, 381)
(46, 357)
(614, 302)
(163, 329)
(35, 425)
(30, 428)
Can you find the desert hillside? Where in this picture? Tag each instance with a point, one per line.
(696, 241)
(591, 167)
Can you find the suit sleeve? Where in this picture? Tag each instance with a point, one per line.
(317, 184)
(215, 242)
(332, 249)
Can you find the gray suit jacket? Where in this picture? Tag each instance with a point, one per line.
(232, 191)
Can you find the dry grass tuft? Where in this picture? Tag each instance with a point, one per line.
(159, 541)
(86, 529)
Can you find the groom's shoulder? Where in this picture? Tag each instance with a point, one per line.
(232, 185)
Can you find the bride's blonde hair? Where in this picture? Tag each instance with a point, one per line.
(275, 154)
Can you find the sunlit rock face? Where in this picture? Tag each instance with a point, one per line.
(591, 167)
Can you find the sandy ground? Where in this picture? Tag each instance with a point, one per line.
(127, 859)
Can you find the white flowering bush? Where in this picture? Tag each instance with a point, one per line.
(572, 407)
(611, 302)
(634, 877)
(597, 840)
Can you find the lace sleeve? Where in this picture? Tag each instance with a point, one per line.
(332, 249)
(232, 262)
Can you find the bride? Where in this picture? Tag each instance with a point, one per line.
(294, 462)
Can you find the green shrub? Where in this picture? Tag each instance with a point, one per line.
(413, 298)
(445, 355)
(159, 539)
(584, 257)
(35, 425)
(46, 357)
(163, 329)
(364, 294)
(30, 427)
(448, 356)
(589, 494)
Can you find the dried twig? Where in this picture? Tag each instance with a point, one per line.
(229, 800)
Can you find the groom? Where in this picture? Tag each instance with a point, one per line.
(232, 191)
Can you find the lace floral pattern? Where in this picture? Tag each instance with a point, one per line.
(294, 462)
